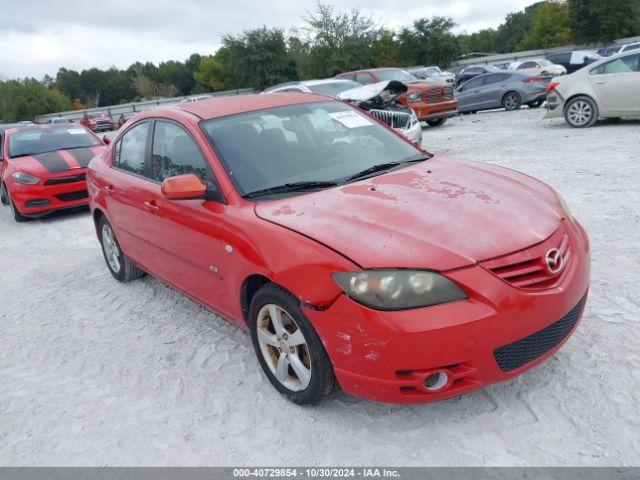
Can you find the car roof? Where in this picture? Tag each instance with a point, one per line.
(234, 104)
(324, 81)
(372, 70)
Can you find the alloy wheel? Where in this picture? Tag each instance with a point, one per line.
(580, 113)
(110, 247)
(284, 347)
(512, 101)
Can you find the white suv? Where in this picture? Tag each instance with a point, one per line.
(608, 88)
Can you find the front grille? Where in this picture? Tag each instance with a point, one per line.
(516, 354)
(393, 119)
(72, 196)
(447, 94)
(70, 179)
(433, 95)
(102, 122)
(527, 268)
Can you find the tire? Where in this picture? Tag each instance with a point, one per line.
(436, 123)
(309, 357)
(511, 101)
(17, 216)
(581, 112)
(4, 198)
(119, 265)
(535, 104)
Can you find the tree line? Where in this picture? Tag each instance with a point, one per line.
(330, 41)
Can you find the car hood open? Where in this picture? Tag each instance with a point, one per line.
(369, 92)
(437, 214)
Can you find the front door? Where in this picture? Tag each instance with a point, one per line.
(187, 237)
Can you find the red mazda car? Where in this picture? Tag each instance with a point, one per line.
(43, 168)
(353, 257)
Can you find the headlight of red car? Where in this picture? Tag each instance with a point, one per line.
(24, 178)
(398, 289)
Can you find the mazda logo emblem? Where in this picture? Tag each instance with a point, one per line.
(554, 261)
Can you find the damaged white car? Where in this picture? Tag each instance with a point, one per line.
(378, 99)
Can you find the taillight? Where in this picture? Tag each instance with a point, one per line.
(552, 85)
(533, 79)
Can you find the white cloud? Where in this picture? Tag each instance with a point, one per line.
(39, 37)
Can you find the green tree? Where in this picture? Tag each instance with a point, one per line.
(551, 27)
(258, 58)
(429, 42)
(386, 49)
(213, 74)
(516, 27)
(599, 21)
(484, 41)
(68, 82)
(24, 99)
(339, 41)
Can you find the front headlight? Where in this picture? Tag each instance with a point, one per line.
(414, 97)
(24, 178)
(398, 289)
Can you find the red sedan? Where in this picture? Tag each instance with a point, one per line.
(43, 168)
(353, 257)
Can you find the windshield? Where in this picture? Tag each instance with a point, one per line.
(389, 74)
(39, 140)
(312, 142)
(334, 88)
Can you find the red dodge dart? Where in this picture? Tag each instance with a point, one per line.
(43, 168)
(354, 258)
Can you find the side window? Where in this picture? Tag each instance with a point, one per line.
(528, 65)
(495, 78)
(175, 153)
(130, 150)
(628, 64)
(475, 83)
(364, 78)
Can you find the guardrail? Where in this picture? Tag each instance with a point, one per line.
(114, 111)
(516, 56)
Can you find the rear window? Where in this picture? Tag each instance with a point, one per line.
(33, 141)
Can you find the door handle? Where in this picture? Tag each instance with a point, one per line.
(110, 190)
(601, 82)
(150, 206)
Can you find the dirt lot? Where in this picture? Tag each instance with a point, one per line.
(93, 372)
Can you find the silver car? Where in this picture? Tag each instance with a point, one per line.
(609, 88)
(508, 90)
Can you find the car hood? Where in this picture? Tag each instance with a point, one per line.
(58, 161)
(368, 92)
(438, 214)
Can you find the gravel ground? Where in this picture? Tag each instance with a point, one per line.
(93, 372)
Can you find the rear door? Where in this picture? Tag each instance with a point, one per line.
(617, 84)
(189, 239)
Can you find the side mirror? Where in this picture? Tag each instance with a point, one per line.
(106, 140)
(184, 187)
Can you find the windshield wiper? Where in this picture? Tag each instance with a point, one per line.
(291, 187)
(387, 166)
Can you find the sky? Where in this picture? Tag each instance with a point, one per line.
(39, 36)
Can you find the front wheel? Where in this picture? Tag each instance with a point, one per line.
(119, 265)
(512, 101)
(437, 122)
(581, 112)
(17, 216)
(288, 348)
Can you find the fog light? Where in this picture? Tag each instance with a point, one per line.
(436, 381)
